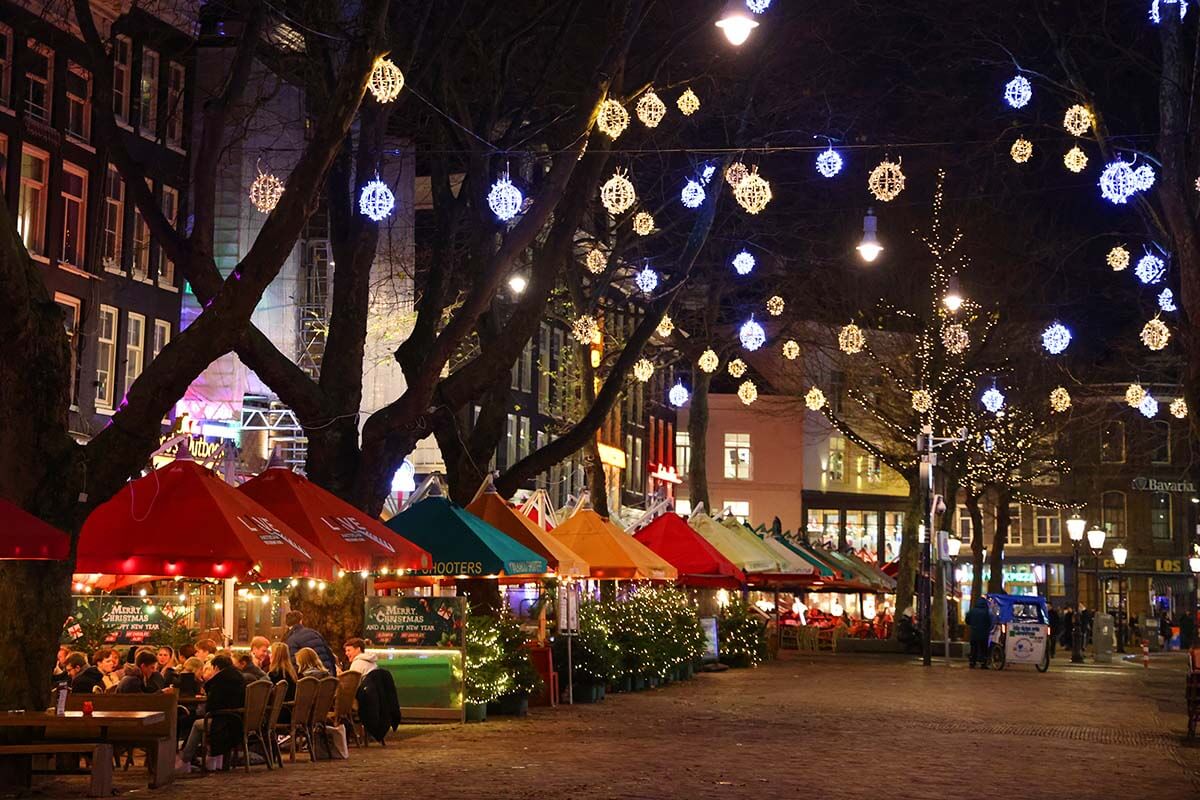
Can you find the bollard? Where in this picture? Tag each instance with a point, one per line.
(1145, 654)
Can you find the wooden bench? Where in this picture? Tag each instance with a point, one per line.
(100, 754)
(159, 741)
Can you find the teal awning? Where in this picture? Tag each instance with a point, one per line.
(463, 544)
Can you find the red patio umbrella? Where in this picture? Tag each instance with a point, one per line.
(24, 537)
(354, 539)
(698, 562)
(183, 520)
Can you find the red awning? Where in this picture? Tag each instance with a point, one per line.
(355, 540)
(183, 520)
(24, 537)
(698, 562)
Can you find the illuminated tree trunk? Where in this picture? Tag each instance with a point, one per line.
(977, 535)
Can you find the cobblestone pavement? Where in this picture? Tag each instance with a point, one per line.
(835, 726)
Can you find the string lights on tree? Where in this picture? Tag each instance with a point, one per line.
(504, 199)
(775, 305)
(747, 392)
(708, 361)
(1119, 258)
(815, 399)
(666, 326)
(791, 349)
(1120, 181)
(643, 370)
(376, 200)
(613, 119)
(1078, 120)
(643, 223)
(993, 400)
(829, 163)
(1156, 334)
(1150, 269)
(1022, 150)
(1178, 408)
(617, 194)
(1075, 160)
(743, 263)
(851, 339)
(1018, 92)
(651, 109)
(752, 335)
(1156, 9)
(1166, 301)
(692, 195)
(886, 181)
(1056, 338)
(735, 173)
(753, 193)
(736, 368)
(265, 192)
(688, 102)
(596, 261)
(386, 81)
(1060, 400)
(1148, 406)
(922, 401)
(646, 280)
(955, 338)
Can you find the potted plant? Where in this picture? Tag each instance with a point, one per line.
(486, 678)
(524, 679)
(743, 635)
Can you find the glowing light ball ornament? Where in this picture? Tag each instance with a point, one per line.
(747, 392)
(585, 329)
(743, 263)
(1150, 269)
(775, 305)
(1148, 407)
(386, 81)
(1060, 400)
(989, 444)
(596, 262)
(688, 103)
(1018, 92)
(643, 370)
(1143, 178)
(735, 174)
(1156, 9)
(504, 199)
(851, 339)
(1134, 395)
(651, 109)
(993, 400)
(1156, 335)
(1075, 160)
(758, 6)
(665, 327)
(955, 338)
(1166, 300)
(815, 399)
(753, 193)
(265, 192)
(829, 163)
(1178, 408)
(736, 368)
(1119, 258)
(1022, 150)
(678, 396)
(643, 223)
(1056, 338)
(617, 194)
(613, 119)
(376, 201)
(886, 181)
(692, 195)
(791, 349)
(708, 361)
(1078, 120)
(752, 335)
(646, 280)
(1120, 181)
(922, 401)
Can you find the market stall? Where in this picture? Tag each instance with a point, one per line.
(492, 509)
(700, 565)
(609, 551)
(750, 555)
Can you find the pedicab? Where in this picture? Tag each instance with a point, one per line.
(1020, 631)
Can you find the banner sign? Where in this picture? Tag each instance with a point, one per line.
(125, 620)
(415, 621)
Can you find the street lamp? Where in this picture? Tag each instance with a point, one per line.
(518, 284)
(953, 546)
(1120, 554)
(870, 248)
(736, 22)
(1076, 525)
(1095, 538)
(953, 300)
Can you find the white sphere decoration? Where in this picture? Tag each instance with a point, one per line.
(753, 193)
(666, 326)
(1156, 10)
(376, 201)
(829, 163)
(386, 81)
(585, 329)
(1156, 335)
(989, 444)
(504, 199)
(678, 396)
(735, 174)
(1056, 338)
(747, 392)
(886, 181)
(1118, 182)
(596, 261)
(791, 349)
(688, 103)
(708, 361)
(1150, 269)
(707, 173)
(955, 338)
(1143, 177)
(815, 399)
(743, 263)
(1075, 160)
(1179, 408)
(775, 305)
(1119, 258)
(1078, 120)
(617, 194)
(993, 400)
(922, 401)
(643, 223)
(1018, 92)
(651, 109)
(643, 370)
(1134, 395)
(851, 339)
(692, 195)
(613, 119)
(737, 368)
(1148, 407)
(758, 6)
(265, 192)
(1060, 400)
(646, 280)
(1166, 300)
(752, 334)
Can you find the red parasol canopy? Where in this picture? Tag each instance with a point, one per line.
(182, 519)
(25, 537)
(354, 539)
(698, 562)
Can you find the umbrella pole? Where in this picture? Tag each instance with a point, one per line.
(227, 608)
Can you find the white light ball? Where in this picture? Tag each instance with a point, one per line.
(1018, 92)
(1166, 300)
(646, 280)
(1056, 338)
(1148, 407)
(829, 163)
(752, 335)
(993, 400)
(692, 195)
(743, 263)
(504, 199)
(1150, 269)
(376, 201)
(678, 396)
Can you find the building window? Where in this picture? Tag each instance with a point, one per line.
(1112, 512)
(639, 471)
(683, 507)
(70, 311)
(114, 218)
(738, 508)
(170, 209)
(874, 470)
(1014, 536)
(162, 335)
(106, 356)
(1047, 527)
(122, 69)
(38, 83)
(79, 103)
(1112, 442)
(74, 204)
(737, 456)
(1160, 516)
(175, 77)
(135, 348)
(824, 526)
(837, 459)
(523, 438)
(149, 93)
(141, 244)
(964, 525)
(837, 390)
(510, 441)
(6, 57)
(31, 205)
(1056, 582)
(1162, 442)
(683, 452)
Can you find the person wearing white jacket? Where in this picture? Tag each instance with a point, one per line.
(360, 661)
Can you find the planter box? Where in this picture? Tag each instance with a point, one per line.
(687, 671)
(476, 712)
(513, 705)
(589, 693)
(638, 682)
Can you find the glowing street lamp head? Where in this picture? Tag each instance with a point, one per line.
(1076, 525)
(1096, 538)
(517, 283)
(953, 300)
(870, 248)
(1120, 554)
(736, 22)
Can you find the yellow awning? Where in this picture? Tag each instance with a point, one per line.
(609, 551)
(491, 508)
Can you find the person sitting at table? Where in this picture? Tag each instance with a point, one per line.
(166, 663)
(250, 670)
(205, 650)
(224, 691)
(189, 679)
(145, 679)
(108, 662)
(282, 669)
(308, 664)
(84, 679)
(360, 661)
(260, 649)
(60, 665)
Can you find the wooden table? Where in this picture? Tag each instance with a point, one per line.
(74, 725)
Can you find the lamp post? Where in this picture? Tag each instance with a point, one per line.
(1076, 525)
(736, 22)
(1120, 554)
(1095, 538)
(927, 445)
(870, 248)
(1194, 564)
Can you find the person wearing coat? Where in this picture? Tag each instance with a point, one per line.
(979, 620)
(225, 690)
(299, 637)
(1055, 630)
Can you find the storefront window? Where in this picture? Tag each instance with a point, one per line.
(1056, 583)
(1160, 515)
(893, 530)
(862, 533)
(823, 527)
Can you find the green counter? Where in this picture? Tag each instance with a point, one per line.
(429, 681)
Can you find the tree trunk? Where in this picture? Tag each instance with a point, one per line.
(906, 573)
(977, 535)
(996, 552)
(698, 437)
(941, 624)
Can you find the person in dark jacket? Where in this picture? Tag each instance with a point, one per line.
(1067, 640)
(225, 690)
(145, 678)
(250, 671)
(378, 705)
(1055, 629)
(979, 620)
(299, 637)
(1187, 631)
(84, 679)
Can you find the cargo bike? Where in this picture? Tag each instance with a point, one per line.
(1020, 631)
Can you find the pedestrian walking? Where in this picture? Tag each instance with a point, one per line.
(1055, 629)
(1068, 628)
(979, 620)
(1164, 629)
(1085, 619)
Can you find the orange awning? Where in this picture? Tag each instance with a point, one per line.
(610, 551)
(491, 508)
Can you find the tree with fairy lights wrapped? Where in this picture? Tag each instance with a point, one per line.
(742, 633)
(487, 676)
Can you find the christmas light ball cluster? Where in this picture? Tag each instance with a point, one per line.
(886, 181)
(736, 368)
(735, 173)
(815, 399)
(1178, 408)
(1148, 407)
(775, 305)
(922, 401)
(643, 370)
(1134, 395)
(752, 335)
(993, 400)
(1120, 181)
(851, 339)
(376, 200)
(1078, 120)
(1119, 258)
(753, 193)
(265, 192)
(1060, 400)
(666, 326)
(1166, 300)
(646, 280)
(1056, 338)
(585, 329)
(955, 338)
(678, 396)
(1075, 160)
(386, 81)
(688, 103)
(1150, 269)
(1022, 150)
(743, 263)
(791, 349)
(651, 109)
(613, 119)
(596, 261)
(829, 163)
(617, 194)
(643, 223)
(1018, 92)
(504, 199)
(692, 195)
(1156, 335)
(747, 392)
(1156, 10)
(708, 361)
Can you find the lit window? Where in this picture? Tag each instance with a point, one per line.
(1160, 516)
(106, 356)
(837, 459)
(1112, 510)
(683, 507)
(1112, 442)
(114, 218)
(135, 348)
(38, 74)
(70, 311)
(162, 335)
(1047, 527)
(1014, 536)
(31, 206)
(74, 204)
(79, 103)
(738, 508)
(683, 452)
(175, 78)
(6, 55)
(122, 70)
(149, 93)
(737, 456)
(170, 209)
(141, 244)
(1056, 582)
(824, 526)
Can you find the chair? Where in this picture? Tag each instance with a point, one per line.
(302, 706)
(343, 705)
(258, 696)
(327, 690)
(159, 740)
(274, 710)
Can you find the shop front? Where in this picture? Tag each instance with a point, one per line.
(1039, 577)
(870, 526)
(1146, 584)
